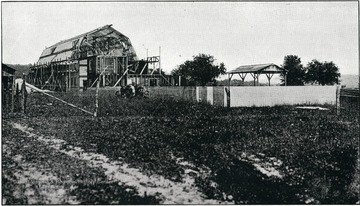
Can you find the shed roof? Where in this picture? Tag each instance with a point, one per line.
(258, 68)
(65, 49)
(6, 70)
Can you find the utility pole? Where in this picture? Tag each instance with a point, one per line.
(160, 60)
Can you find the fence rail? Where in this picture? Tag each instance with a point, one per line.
(349, 92)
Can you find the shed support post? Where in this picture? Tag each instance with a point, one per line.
(242, 76)
(255, 76)
(269, 76)
(227, 90)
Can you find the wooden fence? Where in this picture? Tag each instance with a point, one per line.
(14, 98)
(350, 101)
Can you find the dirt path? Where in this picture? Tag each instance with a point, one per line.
(39, 187)
(169, 192)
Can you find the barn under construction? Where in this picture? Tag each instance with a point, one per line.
(103, 55)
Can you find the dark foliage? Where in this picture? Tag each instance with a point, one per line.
(323, 73)
(200, 71)
(295, 71)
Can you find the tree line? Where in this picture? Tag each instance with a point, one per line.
(315, 72)
(202, 70)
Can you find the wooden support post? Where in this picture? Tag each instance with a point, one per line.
(229, 82)
(103, 80)
(253, 75)
(53, 78)
(126, 62)
(68, 67)
(123, 64)
(227, 90)
(159, 60)
(41, 75)
(66, 79)
(338, 107)
(254, 79)
(13, 94)
(269, 76)
(242, 76)
(143, 68)
(35, 78)
(97, 97)
(23, 95)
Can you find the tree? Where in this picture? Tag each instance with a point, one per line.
(200, 71)
(326, 73)
(295, 71)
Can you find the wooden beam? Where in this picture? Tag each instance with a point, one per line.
(269, 76)
(242, 76)
(143, 68)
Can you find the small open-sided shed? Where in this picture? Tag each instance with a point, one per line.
(7, 76)
(255, 70)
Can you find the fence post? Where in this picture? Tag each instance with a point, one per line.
(210, 95)
(97, 97)
(338, 108)
(13, 94)
(23, 95)
(197, 94)
(227, 96)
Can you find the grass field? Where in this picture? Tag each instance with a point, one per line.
(150, 151)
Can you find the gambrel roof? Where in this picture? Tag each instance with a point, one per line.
(103, 40)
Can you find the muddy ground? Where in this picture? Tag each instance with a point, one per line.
(176, 152)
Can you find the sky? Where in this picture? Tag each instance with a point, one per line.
(235, 33)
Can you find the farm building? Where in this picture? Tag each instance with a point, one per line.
(7, 76)
(103, 55)
(7, 83)
(256, 70)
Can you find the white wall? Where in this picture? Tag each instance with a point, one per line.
(280, 95)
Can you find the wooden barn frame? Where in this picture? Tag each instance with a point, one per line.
(76, 63)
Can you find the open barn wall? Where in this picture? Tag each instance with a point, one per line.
(103, 55)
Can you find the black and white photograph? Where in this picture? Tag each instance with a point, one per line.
(181, 103)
